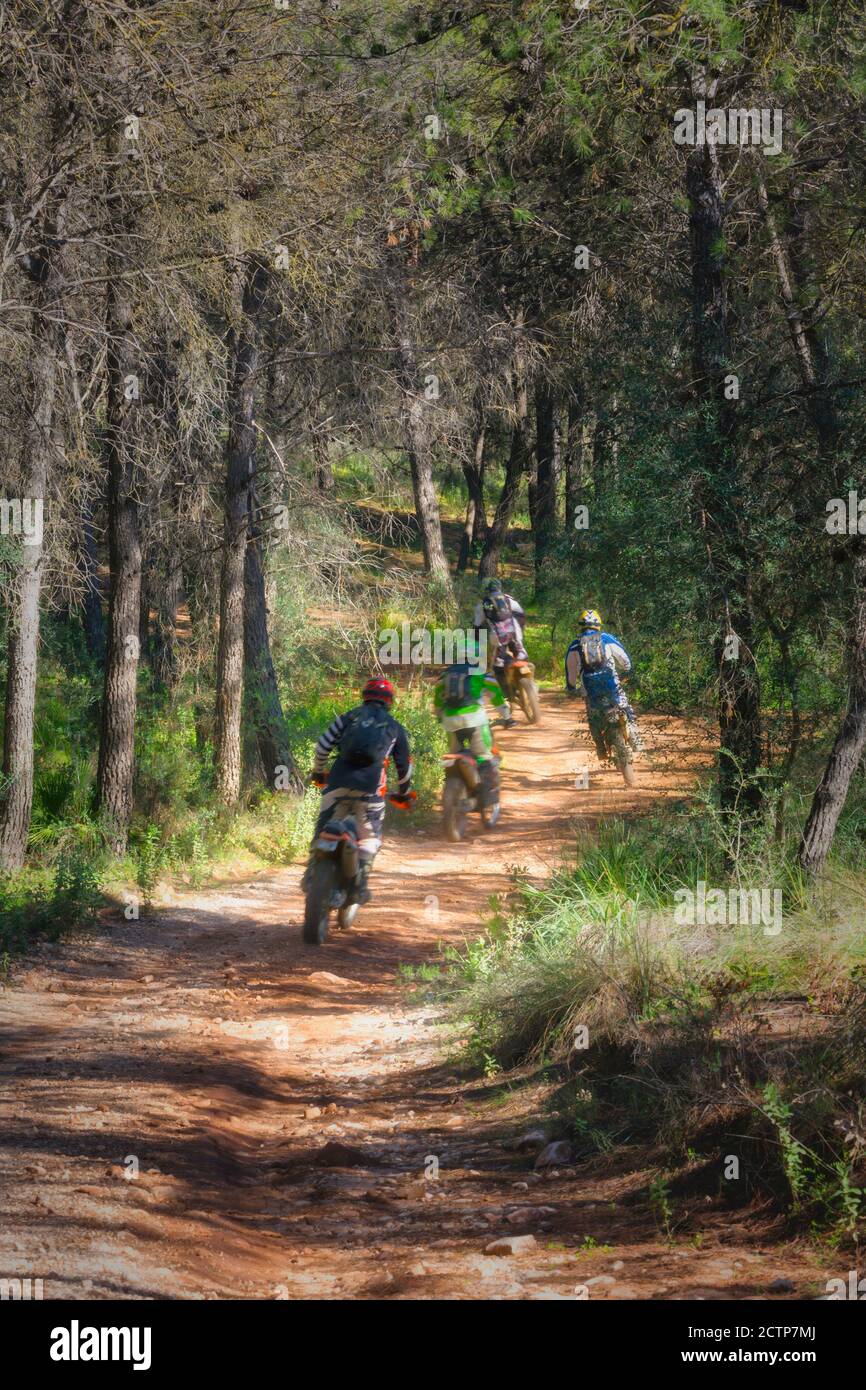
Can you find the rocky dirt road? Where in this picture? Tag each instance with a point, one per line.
(199, 1106)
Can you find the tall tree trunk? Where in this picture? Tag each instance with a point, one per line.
(168, 600)
(850, 744)
(532, 491)
(16, 796)
(518, 460)
(168, 590)
(146, 598)
(721, 503)
(324, 476)
(415, 425)
(475, 524)
(613, 435)
(599, 451)
(809, 350)
(811, 357)
(545, 451)
(240, 456)
(124, 375)
(575, 459)
(466, 536)
(117, 736)
(92, 618)
(558, 462)
(261, 691)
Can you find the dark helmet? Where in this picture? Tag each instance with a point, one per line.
(493, 586)
(378, 688)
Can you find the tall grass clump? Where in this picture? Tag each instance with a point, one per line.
(706, 1037)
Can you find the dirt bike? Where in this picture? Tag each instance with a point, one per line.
(520, 687)
(468, 789)
(615, 733)
(331, 881)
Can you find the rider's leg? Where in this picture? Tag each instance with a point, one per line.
(370, 815)
(594, 718)
(633, 732)
(481, 748)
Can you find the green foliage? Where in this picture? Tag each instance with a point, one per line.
(41, 903)
(668, 1008)
(149, 859)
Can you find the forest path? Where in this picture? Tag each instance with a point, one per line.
(210, 1051)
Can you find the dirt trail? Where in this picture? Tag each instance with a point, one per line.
(210, 1051)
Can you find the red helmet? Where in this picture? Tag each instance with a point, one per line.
(377, 688)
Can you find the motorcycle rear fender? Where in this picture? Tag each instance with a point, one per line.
(466, 767)
(340, 837)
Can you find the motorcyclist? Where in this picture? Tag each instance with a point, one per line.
(503, 618)
(601, 662)
(365, 739)
(459, 699)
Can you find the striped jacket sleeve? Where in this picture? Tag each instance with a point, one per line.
(328, 741)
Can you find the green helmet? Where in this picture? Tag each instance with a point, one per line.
(493, 586)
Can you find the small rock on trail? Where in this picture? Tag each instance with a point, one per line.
(531, 1141)
(511, 1245)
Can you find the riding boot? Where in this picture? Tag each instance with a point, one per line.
(360, 892)
(489, 783)
(600, 745)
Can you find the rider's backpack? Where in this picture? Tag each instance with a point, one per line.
(591, 648)
(369, 737)
(497, 609)
(456, 688)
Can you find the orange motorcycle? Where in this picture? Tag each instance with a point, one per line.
(520, 687)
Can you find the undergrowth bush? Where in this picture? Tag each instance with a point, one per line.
(40, 902)
(659, 1026)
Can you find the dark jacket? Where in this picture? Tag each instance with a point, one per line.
(373, 779)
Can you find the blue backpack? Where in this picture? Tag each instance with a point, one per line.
(599, 681)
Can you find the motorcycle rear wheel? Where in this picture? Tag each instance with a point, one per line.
(527, 694)
(317, 910)
(455, 808)
(624, 760)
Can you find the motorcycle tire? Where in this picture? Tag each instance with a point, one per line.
(455, 809)
(317, 910)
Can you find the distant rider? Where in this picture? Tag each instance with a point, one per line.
(503, 618)
(460, 701)
(365, 739)
(599, 660)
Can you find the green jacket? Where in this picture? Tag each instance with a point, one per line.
(478, 685)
